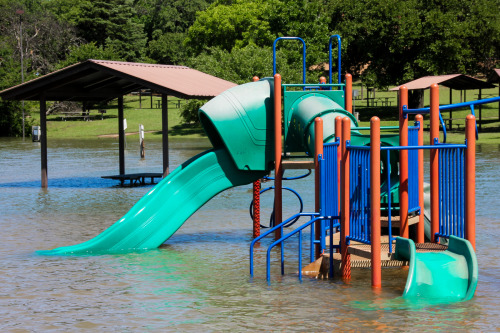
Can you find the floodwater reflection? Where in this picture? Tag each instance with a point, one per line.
(198, 280)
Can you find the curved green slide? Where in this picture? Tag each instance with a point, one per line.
(163, 210)
(239, 124)
(450, 275)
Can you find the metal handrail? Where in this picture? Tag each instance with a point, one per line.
(339, 43)
(290, 234)
(276, 227)
(303, 55)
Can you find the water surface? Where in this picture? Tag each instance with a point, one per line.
(197, 281)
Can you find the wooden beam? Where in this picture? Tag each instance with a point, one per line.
(164, 128)
(43, 140)
(121, 136)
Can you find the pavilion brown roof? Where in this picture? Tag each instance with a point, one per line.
(97, 80)
(453, 81)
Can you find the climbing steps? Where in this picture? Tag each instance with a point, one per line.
(361, 256)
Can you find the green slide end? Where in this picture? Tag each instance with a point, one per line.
(449, 276)
(163, 210)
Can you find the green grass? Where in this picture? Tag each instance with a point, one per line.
(150, 117)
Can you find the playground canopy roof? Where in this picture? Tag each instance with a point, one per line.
(100, 80)
(452, 81)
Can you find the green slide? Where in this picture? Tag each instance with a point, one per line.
(450, 275)
(163, 210)
(239, 124)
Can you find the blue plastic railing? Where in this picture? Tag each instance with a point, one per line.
(359, 191)
(470, 104)
(339, 57)
(452, 193)
(413, 186)
(303, 55)
(452, 188)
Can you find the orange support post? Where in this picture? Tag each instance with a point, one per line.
(318, 150)
(344, 197)
(348, 92)
(470, 180)
(434, 162)
(278, 173)
(421, 219)
(256, 198)
(375, 202)
(338, 134)
(322, 80)
(403, 164)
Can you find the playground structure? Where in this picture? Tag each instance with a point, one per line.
(357, 177)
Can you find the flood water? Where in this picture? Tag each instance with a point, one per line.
(199, 280)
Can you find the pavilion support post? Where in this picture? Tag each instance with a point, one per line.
(480, 111)
(43, 140)
(164, 128)
(121, 136)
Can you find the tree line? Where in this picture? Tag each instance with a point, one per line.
(384, 42)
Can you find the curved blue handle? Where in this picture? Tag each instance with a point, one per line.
(330, 57)
(303, 55)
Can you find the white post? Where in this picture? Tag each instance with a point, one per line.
(141, 140)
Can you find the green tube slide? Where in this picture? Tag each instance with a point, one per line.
(449, 276)
(239, 124)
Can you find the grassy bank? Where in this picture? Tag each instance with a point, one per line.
(148, 114)
(145, 113)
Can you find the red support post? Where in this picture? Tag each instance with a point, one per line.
(256, 209)
(403, 164)
(344, 197)
(434, 162)
(375, 202)
(278, 210)
(421, 218)
(470, 180)
(318, 150)
(348, 92)
(256, 198)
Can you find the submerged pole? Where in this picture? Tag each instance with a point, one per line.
(318, 150)
(421, 218)
(344, 197)
(375, 202)
(256, 199)
(277, 156)
(403, 164)
(434, 162)
(470, 180)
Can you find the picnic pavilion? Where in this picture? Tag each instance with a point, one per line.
(95, 81)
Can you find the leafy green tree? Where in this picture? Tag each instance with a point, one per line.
(401, 41)
(165, 24)
(79, 53)
(113, 24)
(231, 28)
(45, 41)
